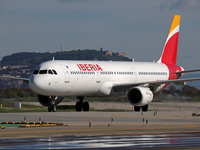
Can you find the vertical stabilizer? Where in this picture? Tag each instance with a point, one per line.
(171, 45)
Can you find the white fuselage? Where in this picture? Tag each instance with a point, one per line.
(92, 78)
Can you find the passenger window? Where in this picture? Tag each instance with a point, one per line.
(50, 72)
(54, 72)
(43, 72)
(35, 71)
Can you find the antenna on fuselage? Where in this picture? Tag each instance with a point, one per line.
(53, 59)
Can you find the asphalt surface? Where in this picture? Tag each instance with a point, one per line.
(173, 126)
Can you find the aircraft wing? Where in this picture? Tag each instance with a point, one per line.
(26, 80)
(125, 86)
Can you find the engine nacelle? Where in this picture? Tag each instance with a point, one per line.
(140, 96)
(48, 100)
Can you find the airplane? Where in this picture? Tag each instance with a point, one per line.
(55, 79)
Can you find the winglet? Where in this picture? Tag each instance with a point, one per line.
(171, 45)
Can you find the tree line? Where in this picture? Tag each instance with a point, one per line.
(16, 92)
(185, 90)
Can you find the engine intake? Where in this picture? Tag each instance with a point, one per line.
(140, 96)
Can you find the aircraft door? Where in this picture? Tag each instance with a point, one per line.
(134, 74)
(98, 76)
(66, 73)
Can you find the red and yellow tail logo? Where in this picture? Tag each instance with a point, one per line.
(170, 49)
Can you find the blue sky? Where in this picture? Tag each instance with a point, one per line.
(137, 27)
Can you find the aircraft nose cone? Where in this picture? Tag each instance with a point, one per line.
(34, 84)
(38, 84)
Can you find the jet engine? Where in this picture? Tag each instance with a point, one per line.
(140, 96)
(49, 100)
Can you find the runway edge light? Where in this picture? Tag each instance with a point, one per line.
(147, 122)
(90, 125)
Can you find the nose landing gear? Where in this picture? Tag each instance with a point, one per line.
(53, 102)
(52, 108)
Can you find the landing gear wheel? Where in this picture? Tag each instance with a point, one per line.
(82, 105)
(52, 108)
(78, 106)
(145, 108)
(86, 106)
(49, 108)
(136, 108)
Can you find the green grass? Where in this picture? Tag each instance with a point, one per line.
(110, 110)
(12, 110)
(9, 107)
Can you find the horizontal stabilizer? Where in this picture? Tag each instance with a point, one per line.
(187, 71)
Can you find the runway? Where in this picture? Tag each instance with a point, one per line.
(108, 130)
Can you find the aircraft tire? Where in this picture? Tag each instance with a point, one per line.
(54, 108)
(79, 106)
(136, 108)
(49, 109)
(86, 106)
(145, 108)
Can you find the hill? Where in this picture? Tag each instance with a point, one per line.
(32, 59)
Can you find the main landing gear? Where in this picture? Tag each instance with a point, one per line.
(82, 105)
(144, 108)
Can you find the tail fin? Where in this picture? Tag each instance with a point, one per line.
(170, 49)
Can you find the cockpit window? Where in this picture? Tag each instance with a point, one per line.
(54, 72)
(50, 72)
(35, 71)
(43, 72)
